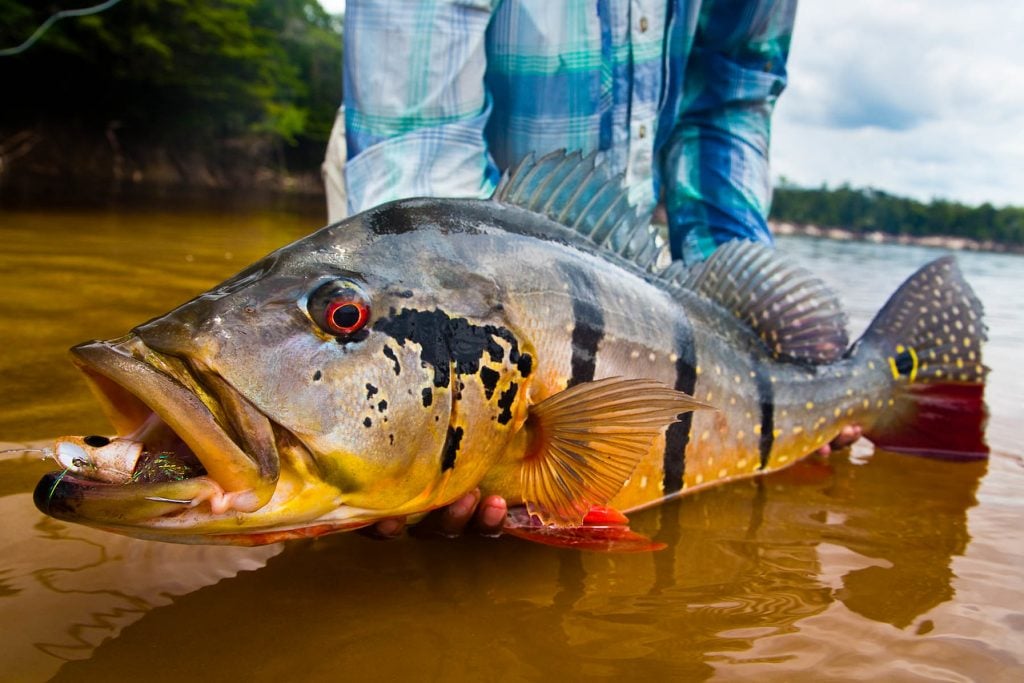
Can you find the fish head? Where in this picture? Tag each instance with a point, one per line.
(354, 375)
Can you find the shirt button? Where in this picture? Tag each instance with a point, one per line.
(642, 131)
(643, 24)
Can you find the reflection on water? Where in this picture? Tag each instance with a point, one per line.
(870, 565)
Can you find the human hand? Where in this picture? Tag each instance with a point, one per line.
(485, 517)
(846, 436)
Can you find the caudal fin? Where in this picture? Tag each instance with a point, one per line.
(930, 333)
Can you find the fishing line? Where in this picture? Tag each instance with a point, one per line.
(53, 19)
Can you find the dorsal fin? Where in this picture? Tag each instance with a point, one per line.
(794, 313)
(586, 196)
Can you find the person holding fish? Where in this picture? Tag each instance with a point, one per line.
(443, 97)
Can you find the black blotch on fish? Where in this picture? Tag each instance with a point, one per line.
(766, 400)
(525, 365)
(451, 447)
(367, 422)
(382, 406)
(677, 436)
(505, 403)
(317, 375)
(588, 327)
(489, 378)
(428, 397)
(391, 439)
(445, 341)
(404, 294)
(370, 391)
(414, 214)
(394, 359)
(96, 441)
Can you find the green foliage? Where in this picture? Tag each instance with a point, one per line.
(176, 71)
(867, 210)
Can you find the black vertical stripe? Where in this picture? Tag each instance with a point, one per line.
(766, 399)
(588, 325)
(678, 434)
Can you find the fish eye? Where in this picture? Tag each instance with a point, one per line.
(340, 308)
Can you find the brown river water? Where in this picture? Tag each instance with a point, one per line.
(864, 566)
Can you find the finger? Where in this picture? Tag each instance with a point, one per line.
(457, 515)
(385, 529)
(490, 516)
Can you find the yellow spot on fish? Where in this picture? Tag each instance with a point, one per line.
(809, 405)
(849, 412)
(718, 370)
(634, 354)
(651, 357)
(837, 412)
(673, 357)
(741, 463)
(740, 435)
(967, 341)
(776, 433)
(732, 400)
(722, 473)
(700, 479)
(708, 396)
(643, 482)
(705, 435)
(798, 430)
(892, 402)
(879, 403)
(871, 365)
(783, 458)
(698, 370)
(900, 348)
(736, 379)
(866, 403)
(849, 392)
(757, 429)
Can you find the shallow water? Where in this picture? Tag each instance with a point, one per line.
(868, 565)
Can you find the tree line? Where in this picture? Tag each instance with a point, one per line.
(868, 210)
(176, 72)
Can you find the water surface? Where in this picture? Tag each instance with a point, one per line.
(868, 565)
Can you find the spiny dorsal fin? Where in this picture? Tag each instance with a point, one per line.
(794, 313)
(588, 439)
(584, 195)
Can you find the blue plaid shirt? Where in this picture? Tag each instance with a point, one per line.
(441, 95)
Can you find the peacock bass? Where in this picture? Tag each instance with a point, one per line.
(532, 345)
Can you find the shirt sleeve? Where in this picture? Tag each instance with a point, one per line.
(717, 181)
(415, 100)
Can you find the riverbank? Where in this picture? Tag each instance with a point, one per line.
(86, 166)
(877, 237)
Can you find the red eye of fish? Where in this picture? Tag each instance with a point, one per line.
(340, 308)
(346, 317)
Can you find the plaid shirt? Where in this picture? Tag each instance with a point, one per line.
(440, 95)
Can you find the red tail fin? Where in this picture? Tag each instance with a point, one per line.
(930, 333)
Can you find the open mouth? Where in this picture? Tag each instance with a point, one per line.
(185, 437)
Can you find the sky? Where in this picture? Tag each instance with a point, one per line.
(920, 98)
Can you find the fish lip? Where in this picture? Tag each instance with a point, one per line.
(130, 387)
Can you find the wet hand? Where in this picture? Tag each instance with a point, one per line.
(847, 436)
(469, 512)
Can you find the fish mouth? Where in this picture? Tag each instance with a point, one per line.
(206, 451)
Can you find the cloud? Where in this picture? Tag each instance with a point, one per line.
(919, 97)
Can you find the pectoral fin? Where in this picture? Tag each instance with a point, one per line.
(604, 529)
(587, 440)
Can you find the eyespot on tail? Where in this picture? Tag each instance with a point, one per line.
(930, 335)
